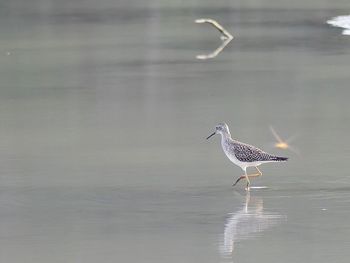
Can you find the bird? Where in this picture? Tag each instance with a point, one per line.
(242, 154)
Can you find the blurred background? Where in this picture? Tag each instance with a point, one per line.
(104, 111)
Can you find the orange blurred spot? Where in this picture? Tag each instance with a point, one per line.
(282, 144)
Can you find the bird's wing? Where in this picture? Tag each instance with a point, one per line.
(248, 153)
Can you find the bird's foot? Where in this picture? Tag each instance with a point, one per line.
(239, 179)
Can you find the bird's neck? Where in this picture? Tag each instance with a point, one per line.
(225, 139)
(225, 136)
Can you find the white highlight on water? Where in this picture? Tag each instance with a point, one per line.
(341, 21)
(259, 187)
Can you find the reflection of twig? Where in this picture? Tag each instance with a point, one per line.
(215, 52)
(226, 37)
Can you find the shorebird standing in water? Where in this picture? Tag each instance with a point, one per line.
(243, 155)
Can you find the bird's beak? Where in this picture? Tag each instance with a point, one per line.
(211, 135)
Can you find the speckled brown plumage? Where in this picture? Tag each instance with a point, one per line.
(248, 153)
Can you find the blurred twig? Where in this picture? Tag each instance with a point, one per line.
(226, 37)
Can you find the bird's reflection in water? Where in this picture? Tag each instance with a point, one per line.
(248, 222)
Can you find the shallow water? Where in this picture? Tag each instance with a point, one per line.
(104, 111)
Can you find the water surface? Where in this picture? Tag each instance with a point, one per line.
(104, 111)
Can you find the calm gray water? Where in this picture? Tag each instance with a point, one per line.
(104, 111)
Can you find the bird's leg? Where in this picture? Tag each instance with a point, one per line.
(256, 175)
(239, 179)
(249, 175)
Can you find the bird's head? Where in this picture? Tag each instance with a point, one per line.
(221, 128)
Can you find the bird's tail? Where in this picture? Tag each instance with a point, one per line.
(279, 159)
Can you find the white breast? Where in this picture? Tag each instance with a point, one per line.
(230, 154)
